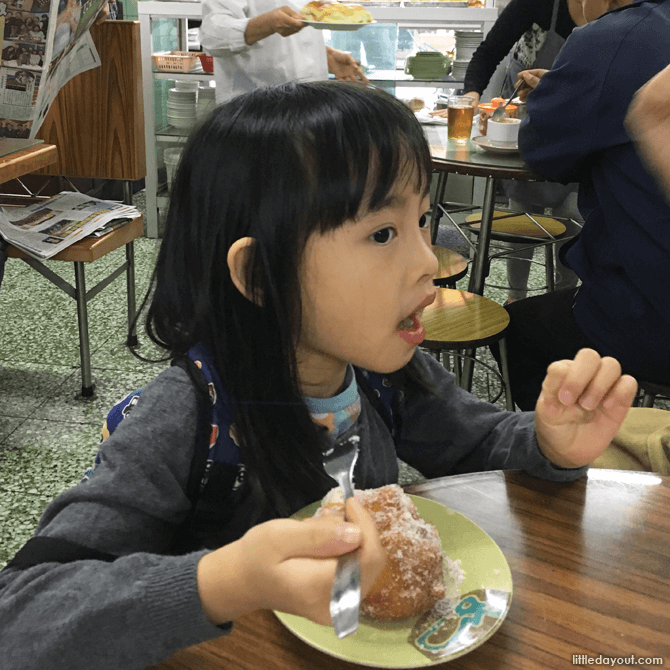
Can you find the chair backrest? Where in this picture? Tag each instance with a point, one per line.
(97, 119)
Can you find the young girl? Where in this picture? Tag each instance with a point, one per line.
(296, 256)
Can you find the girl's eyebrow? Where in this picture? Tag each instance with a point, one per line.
(393, 200)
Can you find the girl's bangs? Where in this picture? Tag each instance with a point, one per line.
(381, 147)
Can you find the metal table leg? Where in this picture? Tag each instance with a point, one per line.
(436, 214)
(480, 269)
(82, 317)
(130, 287)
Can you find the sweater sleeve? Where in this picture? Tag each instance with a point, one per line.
(138, 607)
(223, 25)
(453, 432)
(517, 17)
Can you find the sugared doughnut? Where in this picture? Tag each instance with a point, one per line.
(412, 581)
(335, 12)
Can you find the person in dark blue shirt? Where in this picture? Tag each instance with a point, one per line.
(575, 131)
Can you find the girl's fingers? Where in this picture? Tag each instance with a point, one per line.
(372, 555)
(622, 393)
(580, 373)
(604, 381)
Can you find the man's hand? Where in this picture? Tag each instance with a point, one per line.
(648, 120)
(582, 404)
(343, 66)
(284, 21)
(531, 79)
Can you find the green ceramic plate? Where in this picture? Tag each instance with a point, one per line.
(486, 594)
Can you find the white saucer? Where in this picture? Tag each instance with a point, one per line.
(484, 142)
(324, 25)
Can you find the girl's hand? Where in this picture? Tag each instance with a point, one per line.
(343, 65)
(532, 79)
(288, 565)
(582, 404)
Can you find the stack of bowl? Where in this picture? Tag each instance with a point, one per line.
(181, 104)
(467, 42)
(206, 102)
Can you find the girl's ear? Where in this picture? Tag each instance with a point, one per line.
(240, 255)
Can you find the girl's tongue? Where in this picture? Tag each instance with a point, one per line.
(411, 330)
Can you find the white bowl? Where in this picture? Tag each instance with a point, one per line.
(503, 133)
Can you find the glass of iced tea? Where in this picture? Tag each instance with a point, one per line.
(459, 117)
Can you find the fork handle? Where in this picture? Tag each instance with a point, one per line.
(345, 598)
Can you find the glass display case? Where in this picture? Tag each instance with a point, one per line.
(400, 29)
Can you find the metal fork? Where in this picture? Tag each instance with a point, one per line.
(345, 598)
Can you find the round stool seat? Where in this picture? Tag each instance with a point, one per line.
(519, 224)
(463, 320)
(452, 266)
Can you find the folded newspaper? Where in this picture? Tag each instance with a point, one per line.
(44, 229)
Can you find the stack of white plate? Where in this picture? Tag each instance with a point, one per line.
(467, 42)
(181, 107)
(459, 68)
(206, 102)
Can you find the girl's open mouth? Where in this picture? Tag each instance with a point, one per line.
(411, 329)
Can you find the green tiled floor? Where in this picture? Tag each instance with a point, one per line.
(49, 434)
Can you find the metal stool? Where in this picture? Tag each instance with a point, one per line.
(452, 267)
(461, 321)
(524, 228)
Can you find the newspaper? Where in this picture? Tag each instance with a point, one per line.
(45, 44)
(44, 229)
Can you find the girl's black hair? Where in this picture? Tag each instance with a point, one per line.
(277, 165)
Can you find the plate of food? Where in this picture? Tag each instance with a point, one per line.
(326, 15)
(484, 142)
(446, 587)
(325, 25)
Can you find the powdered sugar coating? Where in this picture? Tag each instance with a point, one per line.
(412, 579)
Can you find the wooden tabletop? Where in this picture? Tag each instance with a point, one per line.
(26, 161)
(590, 562)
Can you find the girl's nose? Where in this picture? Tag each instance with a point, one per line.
(427, 262)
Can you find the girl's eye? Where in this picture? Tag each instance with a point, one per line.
(423, 221)
(384, 236)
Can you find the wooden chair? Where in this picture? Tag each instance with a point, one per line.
(461, 321)
(97, 124)
(86, 251)
(452, 267)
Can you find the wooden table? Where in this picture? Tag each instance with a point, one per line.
(590, 562)
(26, 161)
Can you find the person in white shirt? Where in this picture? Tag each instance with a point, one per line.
(259, 43)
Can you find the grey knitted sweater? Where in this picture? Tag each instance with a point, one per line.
(140, 608)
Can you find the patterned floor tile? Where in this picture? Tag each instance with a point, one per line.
(26, 386)
(38, 460)
(40, 321)
(67, 404)
(8, 424)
